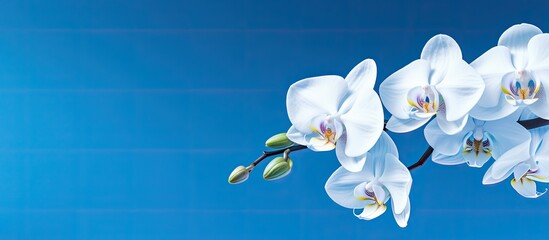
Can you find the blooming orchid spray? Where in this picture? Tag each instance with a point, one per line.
(494, 108)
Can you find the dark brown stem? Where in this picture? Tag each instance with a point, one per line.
(534, 123)
(267, 154)
(422, 159)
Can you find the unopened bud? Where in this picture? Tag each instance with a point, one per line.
(277, 168)
(279, 141)
(239, 175)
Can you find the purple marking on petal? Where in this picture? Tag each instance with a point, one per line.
(531, 87)
(370, 194)
(322, 127)
(469, 141)
(441, 106)
(513, 89)
(419, 101)
(486, 143)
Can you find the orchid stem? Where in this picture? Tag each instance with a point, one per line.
(528, 124)
(422, 159)
(285, 151)
(534, 123)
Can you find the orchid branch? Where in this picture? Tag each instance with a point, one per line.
(244, 171)
(267, 154)
(534, 123)
(322, 109)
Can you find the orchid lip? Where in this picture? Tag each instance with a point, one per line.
(424, 101)
(520, 88)
(326, 131)
(477, 148)
(366, 192)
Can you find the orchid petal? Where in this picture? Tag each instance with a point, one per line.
(543, 149)
(444, 143)
(296, 136)
(526, 187)
(537, 135)
(516, 38)
(526, 114)
(490, 179)
(380, 194)
(363, 123)
(352, 164)
(372, 211)
(450, 127)
(538, 51)
(379, 166)
(397, 179)
(501, 110)
(402, 218)
(383, 146)
(510, 159)
(359, 192)
(476, 160)
(447, 160)
(542, 153)
(315, 96)
(506, 134)
(541, 107)
(398, 125)
(442, 52)
(341, 185)
(492, 66)
(394, 89)
(540, 175)
(461, 89)
(362, 75)
(320, 145)
(520, 170)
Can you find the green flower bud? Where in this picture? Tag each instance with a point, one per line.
(239, 175)
(279, 141)
(277, 168)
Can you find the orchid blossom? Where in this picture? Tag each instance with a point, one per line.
(527, 162)
(383, 177)
(516, 74)
(329, 109)
(497, 107)
(476, 142)
(440, 83)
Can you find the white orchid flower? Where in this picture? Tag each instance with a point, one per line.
(476, 142)
(440, 83)
(527, 162)
(329, 109)
(516, 74)
(383, 177)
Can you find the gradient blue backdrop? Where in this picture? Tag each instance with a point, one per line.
(122, 120)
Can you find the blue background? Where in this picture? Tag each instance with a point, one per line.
(122, 120)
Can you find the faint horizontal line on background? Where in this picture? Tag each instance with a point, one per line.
(238, 30)
(253, 211)
(140, 90)
(124, 150)
(169, 210)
